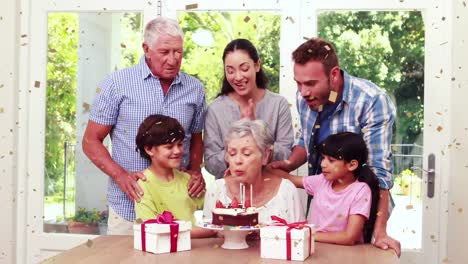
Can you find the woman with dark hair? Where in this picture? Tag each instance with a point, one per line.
(244, 95)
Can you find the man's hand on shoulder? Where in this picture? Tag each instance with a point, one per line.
(196, 184)
(284, 165)
(128, 184)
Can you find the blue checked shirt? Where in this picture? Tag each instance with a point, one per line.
(365, 109)
(125, 99)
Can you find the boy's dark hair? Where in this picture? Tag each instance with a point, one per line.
(243, 44)
(349, 146)
(316, 49)
(158, 130)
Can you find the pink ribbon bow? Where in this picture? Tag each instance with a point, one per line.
(296, 225)
(165, 218)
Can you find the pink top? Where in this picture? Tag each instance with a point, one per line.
(330, 210)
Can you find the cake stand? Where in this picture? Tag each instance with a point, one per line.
(234, 236)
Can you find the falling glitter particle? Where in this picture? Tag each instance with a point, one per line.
(192, 6)
(89, 243)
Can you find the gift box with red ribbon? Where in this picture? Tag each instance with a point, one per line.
(288, 241)
(162, 235)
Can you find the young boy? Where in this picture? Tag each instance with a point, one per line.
(159, 139)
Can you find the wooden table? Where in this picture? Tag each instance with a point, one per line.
(119, 249)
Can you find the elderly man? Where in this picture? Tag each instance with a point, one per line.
(330, 101)
(125, 99)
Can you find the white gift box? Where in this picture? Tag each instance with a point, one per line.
(273, 242)
(158, 237)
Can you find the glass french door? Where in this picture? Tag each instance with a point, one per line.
(73, 45)
(397, 39)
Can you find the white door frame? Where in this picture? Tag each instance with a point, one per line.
(33, 245)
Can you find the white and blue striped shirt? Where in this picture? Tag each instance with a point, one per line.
(365, 109)
(125, 99)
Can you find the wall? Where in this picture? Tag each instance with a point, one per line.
(8, 108)
(458, 200)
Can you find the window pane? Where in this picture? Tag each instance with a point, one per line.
(207, 33)
(82, 49)
(388, 49)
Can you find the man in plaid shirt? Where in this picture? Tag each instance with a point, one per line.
(125, 98)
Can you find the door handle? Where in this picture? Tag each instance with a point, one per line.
(430, 175)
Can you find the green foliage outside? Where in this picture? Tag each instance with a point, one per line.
(61, 96)
(89, 217)
(388, 49)
(62, 66)
(206, 63)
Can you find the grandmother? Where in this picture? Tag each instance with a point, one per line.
(249, 147)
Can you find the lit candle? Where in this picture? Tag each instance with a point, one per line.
(251, 196)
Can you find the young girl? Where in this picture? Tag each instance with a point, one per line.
(346, 194)
(159, 139)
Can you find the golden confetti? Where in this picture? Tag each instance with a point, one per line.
(138, 221)
(394, 148)
(86, 106)
(409, 207)
(409, 115)
(192, 6)
(37, 84)
(24, 35)
(246, 19)
(254, 26)
(89, 243)
(320, 109)
(340, 216)
(98, 90)
(123, 45)
(215, 246)
(445, 260)
(327, 47)
(333, 95)
(2, 110)
(460, 210)
(317, 126)
(364, 130)
(439, 128)
(379, 213)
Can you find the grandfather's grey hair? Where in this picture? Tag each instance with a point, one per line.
(161, 26)
(258, 129)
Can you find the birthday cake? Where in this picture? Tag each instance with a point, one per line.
(234, 215)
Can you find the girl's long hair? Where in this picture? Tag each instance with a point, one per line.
(349, 146)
